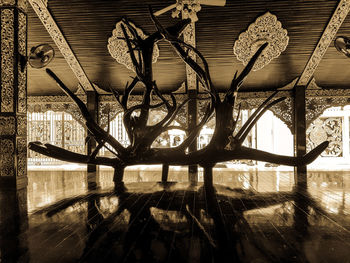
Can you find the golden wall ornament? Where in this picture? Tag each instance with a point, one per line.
(21, 157)
(7, 2)
(7, 125)
(329, 128)
(22, 75)
(7, 59)
(7, 150)
(265, 29)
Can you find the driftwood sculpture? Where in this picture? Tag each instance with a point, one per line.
(224, 145)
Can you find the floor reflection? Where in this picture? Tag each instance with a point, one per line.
(149, 222)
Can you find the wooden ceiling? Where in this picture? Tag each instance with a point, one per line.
(87, 25)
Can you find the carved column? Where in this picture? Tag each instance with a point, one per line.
(13, 104)
(300, 172)
(13, 130)
(92, 169)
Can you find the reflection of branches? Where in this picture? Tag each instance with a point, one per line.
(141, 225)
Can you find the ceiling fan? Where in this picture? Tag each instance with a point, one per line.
(41, 55)
(342, 44)
(191, 8)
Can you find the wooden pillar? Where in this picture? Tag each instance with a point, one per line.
(300, 172)
(92, 169)
(13, 130)
(191, 123)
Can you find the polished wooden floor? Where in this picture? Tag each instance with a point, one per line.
(260, 217)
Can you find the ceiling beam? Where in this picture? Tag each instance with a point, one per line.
(52, 28)
(327, 37)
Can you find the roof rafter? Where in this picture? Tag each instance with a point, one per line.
(57, 36)
(327, 37)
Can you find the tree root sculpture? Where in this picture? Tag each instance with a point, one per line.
(224, 145)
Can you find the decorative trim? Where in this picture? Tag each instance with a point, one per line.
(22, 4)
(7, 60)
(7, 150)
(7, 2)
(187, 8)
(22, 125)
(326, 129)
(22, 76)
(52, 99)
(189, 35)
(317, 100)
(266, 28)
(49, 23)
(328, 35)
(7, 125)
(22, 157)
(118, 48)
(57, 104)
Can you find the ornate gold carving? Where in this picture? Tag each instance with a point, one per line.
(328, 35)
(329, 129)
(189, 35)
(266, 28)
(57, 104)
(22, 4)
(7, 2)
(188, 9)
(22, 157)
(118, 49)
(22, 49)
(7, 157)
(36, 100)
(7, 60)
(317, 100)
(21, 125)
(60, 41)
(7, 125)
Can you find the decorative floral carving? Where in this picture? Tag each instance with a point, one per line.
(60, 41)
(7, 59)
(21, 125)
(7, 2)
(22, 4)
(282, 110)
(188, 9)
(266, 28)
(21, 157)
(329, 129)
(22, 83)
(108, 111)
(327, 37)
(7, 157)
(74, 136)
(317, 100)
(7, 125)
(118, 49)
(189, 35)
(55, 103)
